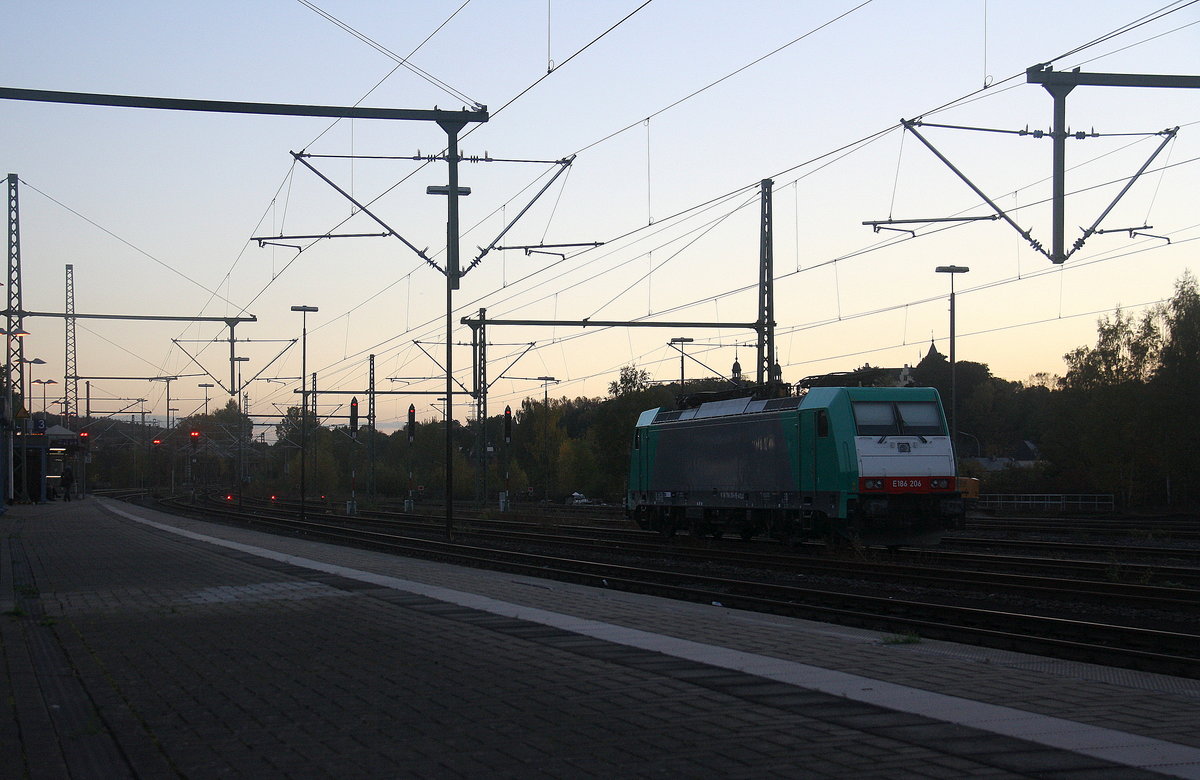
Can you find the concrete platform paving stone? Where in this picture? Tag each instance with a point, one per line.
(137, 644)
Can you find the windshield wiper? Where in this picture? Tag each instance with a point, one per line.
(904, 424)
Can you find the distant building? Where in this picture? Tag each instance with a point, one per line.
(866, 376)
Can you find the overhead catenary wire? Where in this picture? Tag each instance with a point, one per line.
(401, 61)
(404, 277)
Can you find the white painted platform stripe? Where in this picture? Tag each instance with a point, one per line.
(1108, 744)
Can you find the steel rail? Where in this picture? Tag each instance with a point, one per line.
(1161, 651)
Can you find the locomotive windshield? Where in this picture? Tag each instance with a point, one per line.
(900, 418)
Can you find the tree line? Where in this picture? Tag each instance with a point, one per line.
(1122, 420)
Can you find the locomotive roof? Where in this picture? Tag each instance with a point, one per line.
(817, 397)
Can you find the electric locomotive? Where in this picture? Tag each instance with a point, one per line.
(872, 464)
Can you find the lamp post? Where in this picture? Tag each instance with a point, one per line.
(45, 424)
(680, 341)
(304, 311)
(546, 403)
(24, 492)
(43, 383)
(952, 270)
(28, 362)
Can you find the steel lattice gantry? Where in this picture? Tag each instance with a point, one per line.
(71, 374)
(14, 363)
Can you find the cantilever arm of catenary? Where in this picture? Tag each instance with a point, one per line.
(910, 125)
(563, 165)
(1169, 135)
(291, 343)
(439, 364)
(500, 376)
(299, 156)
(210, 375)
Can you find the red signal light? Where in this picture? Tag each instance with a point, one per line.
(195, 434)
(83, 434)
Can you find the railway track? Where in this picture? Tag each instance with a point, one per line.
(1147, 528)
(1094, 550)
(760, 584)
(1108, 566)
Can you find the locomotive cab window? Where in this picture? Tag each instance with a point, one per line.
(904, 418)
(875, 418)
(919, 418)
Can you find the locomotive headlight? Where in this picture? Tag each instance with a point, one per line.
(939, 484)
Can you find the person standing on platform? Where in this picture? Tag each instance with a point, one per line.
(68, 479)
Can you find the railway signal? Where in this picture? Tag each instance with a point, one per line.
(508, 425)
(411, 428)
(354, 415)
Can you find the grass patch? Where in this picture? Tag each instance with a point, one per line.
(909, 638)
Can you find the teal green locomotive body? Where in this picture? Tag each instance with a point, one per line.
(873, 464)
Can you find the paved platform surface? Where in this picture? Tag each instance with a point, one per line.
(139, 644)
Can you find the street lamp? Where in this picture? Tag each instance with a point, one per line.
(33, 362)
(43, 383)
(952, 270)
(25, 425)
(546, 403)
(681, 340)
(304, 312)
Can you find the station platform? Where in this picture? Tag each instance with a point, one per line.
(140, 644)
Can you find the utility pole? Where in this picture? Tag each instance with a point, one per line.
(1059, 84)
(546, 380)
(479, 361)
(70, 367)
(371, 431)
(766, 290)
(14, 365)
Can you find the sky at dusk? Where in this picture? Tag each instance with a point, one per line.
(671, 112)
